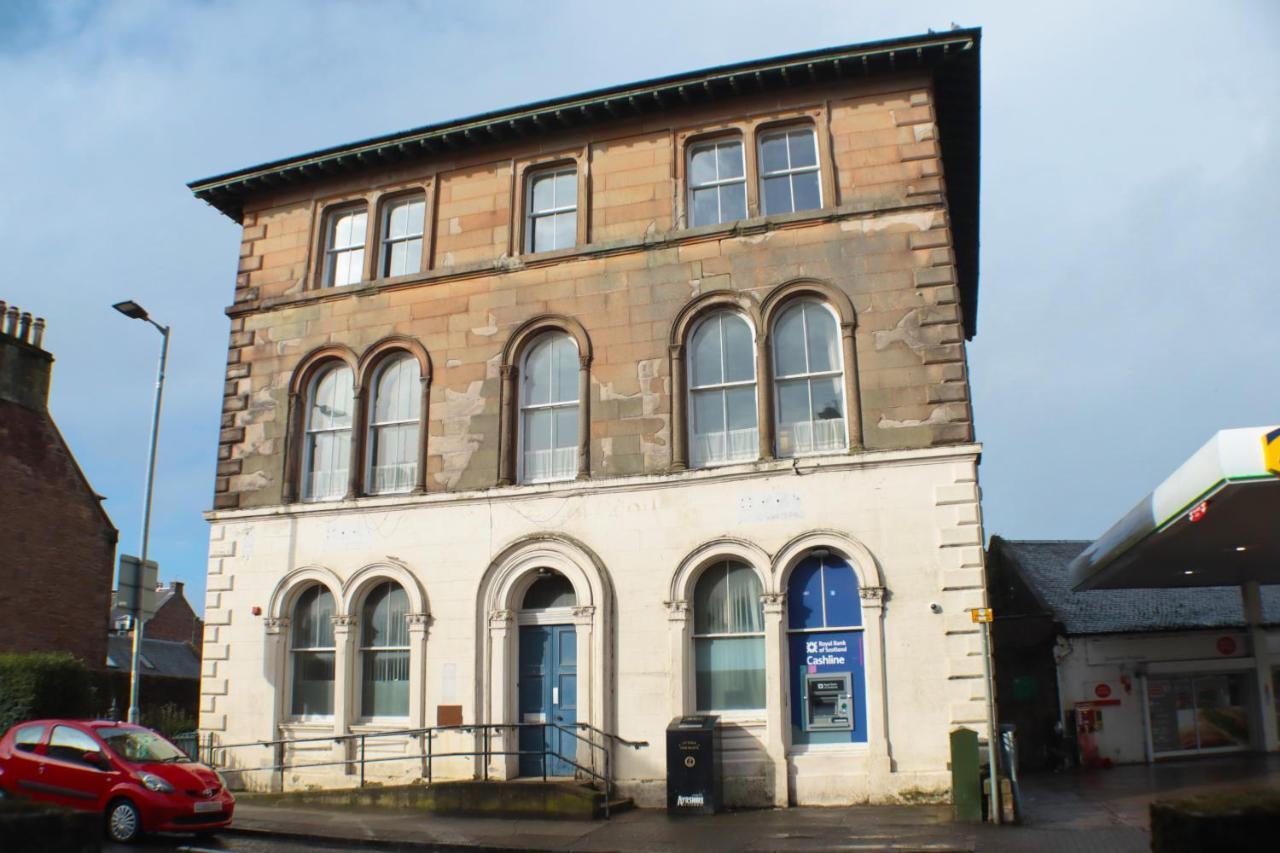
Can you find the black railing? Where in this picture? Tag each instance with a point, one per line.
(597, 743)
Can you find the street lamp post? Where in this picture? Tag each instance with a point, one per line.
(135, 311)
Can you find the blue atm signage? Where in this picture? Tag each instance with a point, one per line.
(824, 621)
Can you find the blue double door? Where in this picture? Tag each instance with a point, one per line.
(548, 690)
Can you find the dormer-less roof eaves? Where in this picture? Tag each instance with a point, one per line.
(951, 56)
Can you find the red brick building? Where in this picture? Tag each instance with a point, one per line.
(174, 621)
(56, 566)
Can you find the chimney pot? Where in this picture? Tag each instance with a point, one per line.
(24, 327)
(37, 337)
(11, 321)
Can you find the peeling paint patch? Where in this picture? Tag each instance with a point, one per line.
(907, 331)
(254, 482)
(457, 445)
(937, 415)
(489, 329)
(922, 221)
(453, 362)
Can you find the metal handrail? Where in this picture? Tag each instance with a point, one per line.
(428, 755)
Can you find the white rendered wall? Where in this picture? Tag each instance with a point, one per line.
(908, 521)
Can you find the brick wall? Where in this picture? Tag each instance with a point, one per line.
(176, 621)
(58, 550)
(882, 237)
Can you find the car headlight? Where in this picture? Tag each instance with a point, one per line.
(155, 783)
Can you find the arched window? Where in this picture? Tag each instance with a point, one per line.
(393, 426)
(550, 591)
(808, 380)
(384, 652)
(327, 449)
(728, 638)
(312, 651)
(722, 391)
(549, 410)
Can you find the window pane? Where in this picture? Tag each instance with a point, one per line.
(733, 202)
(803, 148)
(543, 192)
(708, 412)
(807, 194)
(823, 338)
(793, 418)
(788, 343)
(773, 153)
(804, 595)
(384, 689)
(729, 160)
(537, 374)
(313, 619)
(312, 684)
(394, 397)
(704, 354)
(564, 385)
(727, 600)
(395, 458)
(552, 591)
(398, 220)
(844, 608)
(341, 231)
(544, 234)
(566, 189)
(537, 429)
(706, 207)
(777, 195)
(739, 349)
(358, 222)
(741, 403)
(702, 166)
(828, 399)
(730, 673)
(566, 230)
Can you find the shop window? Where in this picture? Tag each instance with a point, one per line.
(789, 176)
(549, 409)
(394, 437)
(403, 222)
(808, 381)
(722, 391)
(327, 444)
(384, 653)
(312, 651)
(717, 182)
(344, 246)
(728, 639)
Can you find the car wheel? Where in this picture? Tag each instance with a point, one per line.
(124, 824)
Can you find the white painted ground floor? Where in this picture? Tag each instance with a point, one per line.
(819, 608)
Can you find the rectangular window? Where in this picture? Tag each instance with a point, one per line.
(717, 183)
(344, 247)
(789, 174)
(403, 221)
(552, 210)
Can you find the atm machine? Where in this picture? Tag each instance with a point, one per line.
(828, 702)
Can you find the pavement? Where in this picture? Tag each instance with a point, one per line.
(1100, 811)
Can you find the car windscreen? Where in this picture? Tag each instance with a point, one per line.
(140, 746)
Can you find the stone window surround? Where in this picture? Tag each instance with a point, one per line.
(348, 599)
(375, 204)
(774, 573)
(523, 168)
(509, 405)
(749, 130)
(761, 317)
(363, 371)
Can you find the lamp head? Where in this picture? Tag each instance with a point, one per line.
(131, 309)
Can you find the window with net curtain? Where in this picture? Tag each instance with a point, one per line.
(384, 652)
(312, 651)
(728, 638)
(327, 451)
(549, 410)
(722, 391)
(393, 426)
(808, 380)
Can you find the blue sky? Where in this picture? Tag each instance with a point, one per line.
(1130, 163)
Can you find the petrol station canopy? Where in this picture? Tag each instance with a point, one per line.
(1214, 522)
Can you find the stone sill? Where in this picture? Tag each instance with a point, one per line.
(801, 466)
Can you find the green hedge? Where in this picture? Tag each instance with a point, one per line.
(33, 686)
(1239, 821)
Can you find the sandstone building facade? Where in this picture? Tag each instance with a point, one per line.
(611, 408)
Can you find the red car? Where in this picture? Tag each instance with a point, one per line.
(136, 778)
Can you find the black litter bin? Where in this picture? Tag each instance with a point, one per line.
(693, 765)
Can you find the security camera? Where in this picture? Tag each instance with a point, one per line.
(935, 607)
